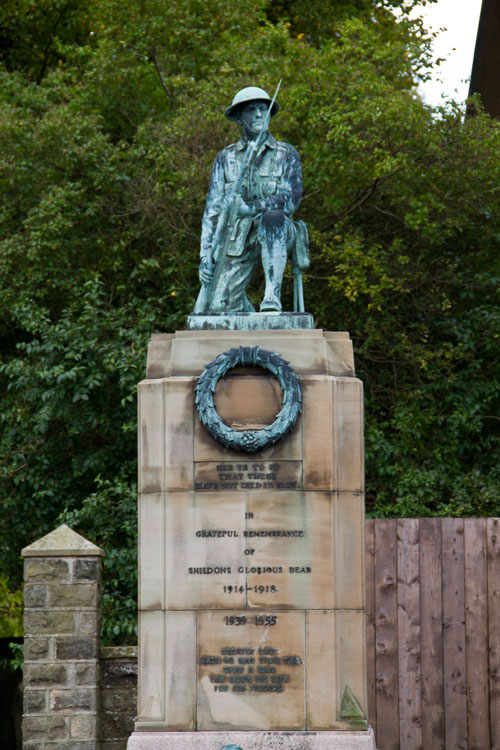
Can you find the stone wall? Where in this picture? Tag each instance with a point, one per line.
(62, 625)
(117, 696)
(77, 696)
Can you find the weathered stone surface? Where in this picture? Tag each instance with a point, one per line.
(118, 701)
(43, 569)
(86, 674)
(63, 541)
(89, 623)
(250, 321)
(119, 674)
(263, 695)
(112, 744)
(76, 648)
(166, 434)
(36, 596)
(61, 598)
(116, 725)
(321, 670)
(45, 674)
(36, 648)
(187, 352)
(71, 744)
(252, 740)
(34, 701)
(44, 728)
(48, 622)
(80, 699)
(83, 727)
(318, 431)
(73, 595)
(349, 542)
(252, 401)
(117, 695)
(192, 559)
(350, 445)
(86, 570)
(117, 653)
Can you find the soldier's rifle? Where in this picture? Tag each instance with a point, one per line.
(229, 214)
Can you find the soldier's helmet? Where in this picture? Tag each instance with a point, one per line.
(249, 94)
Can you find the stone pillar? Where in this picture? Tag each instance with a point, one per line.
(251, 565)
(61, 624)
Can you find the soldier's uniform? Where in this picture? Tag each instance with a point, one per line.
(274, 188)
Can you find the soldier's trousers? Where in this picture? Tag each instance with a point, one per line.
(270, 236)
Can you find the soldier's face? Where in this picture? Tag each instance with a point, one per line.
(252, 117)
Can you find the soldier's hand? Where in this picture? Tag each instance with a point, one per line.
(206, 271)
(246, 210)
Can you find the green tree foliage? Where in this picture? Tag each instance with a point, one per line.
(110, 119)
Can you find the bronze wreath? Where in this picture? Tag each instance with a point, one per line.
(250, 441)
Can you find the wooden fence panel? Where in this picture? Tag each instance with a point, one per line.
(455, 688)
(386, 635)
(410, 709)
(370, 621)
(476, 633)
(493, 546)
(433, 633)
(431, 630)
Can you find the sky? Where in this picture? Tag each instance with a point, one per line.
(456, 44)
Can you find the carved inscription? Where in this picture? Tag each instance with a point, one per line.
(251, 653)
(248, 475)
(251, 550)
(250, 670)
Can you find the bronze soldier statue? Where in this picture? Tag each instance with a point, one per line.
(255, 186)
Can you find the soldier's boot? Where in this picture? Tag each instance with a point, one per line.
(273, 240)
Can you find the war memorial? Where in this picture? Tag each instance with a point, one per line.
(251, 481)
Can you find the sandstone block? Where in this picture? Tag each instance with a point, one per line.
(34, 701)
(166, 434)
(71, 744)
(172, 698)
(83, 726)
(36, 648)
(318, 433)
(44, 728)
(88, 623)
(36, 596)
(74, 699)
(46, 569)
(350, 551)
(76, 648)
(48, 622)
(350, 445)
(86, 570)
(86, 674)
(321, 670)
(261, 696)
(45, 675)
(151, 560)
(73, 595)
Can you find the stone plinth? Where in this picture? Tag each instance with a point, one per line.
(253, 740)
(61, 625)
(239, 321)
(251, 566)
